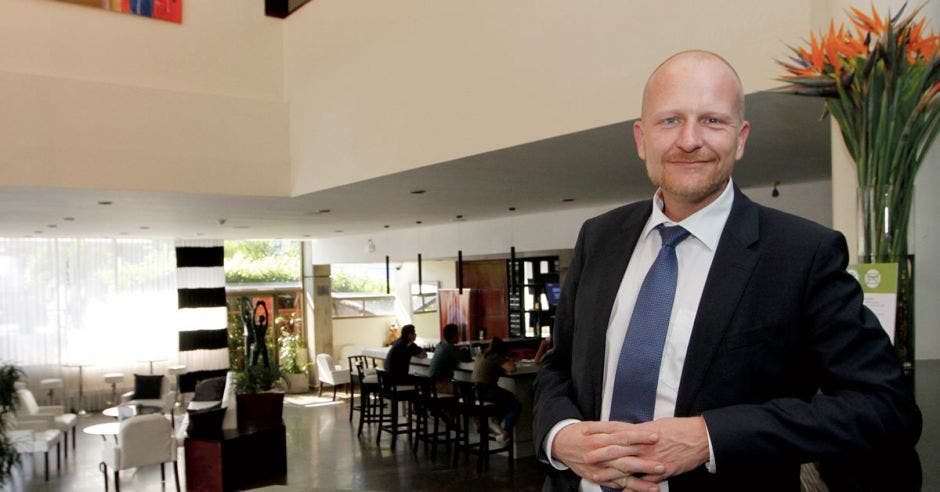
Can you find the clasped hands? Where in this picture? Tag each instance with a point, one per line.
(632, 456)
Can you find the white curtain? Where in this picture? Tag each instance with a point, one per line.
(107, 304)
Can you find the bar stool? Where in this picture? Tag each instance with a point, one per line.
(113, 378)
(471, 405)
(429, 404)
(50, 385)
(369, 400)
(396, 394)
(175, 371)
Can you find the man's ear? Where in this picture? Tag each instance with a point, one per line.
(638, 138)
(742, 140)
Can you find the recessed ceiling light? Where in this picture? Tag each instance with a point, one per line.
(122, 233)
(51, 226)
(306, 235)
(417, 222)
(417, 192)
(512, 208)
(324, 211)
(460, 216)
(567, 199)
(338, 230)
(242, 227)
(386, 226)
(105, 202)
(38, 232)
(68, 219)
(145, 228)
(200, 234)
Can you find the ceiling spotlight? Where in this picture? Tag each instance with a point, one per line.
(459, 217)
(417, 192)
(51, 226)
(122, 233)
(338, 231)
(511, 209)
(37, 232)
(220, 221)
(306, 235)
(68, 219)
(567, 199)
(105, 202)
(242, 227)
(417, 222)
(323, 211)
(775, 193)
(145, 228)
(386, 226)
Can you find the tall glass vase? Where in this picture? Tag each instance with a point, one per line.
(883, 217)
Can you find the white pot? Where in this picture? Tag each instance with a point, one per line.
(298, 383)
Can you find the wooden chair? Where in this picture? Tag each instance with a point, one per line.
(472, 408)
(396, 394)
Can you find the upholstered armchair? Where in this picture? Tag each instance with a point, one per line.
(142, 441)
(35, 436)
(331, 374)
(53, 415)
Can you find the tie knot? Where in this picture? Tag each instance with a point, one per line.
(672, 235)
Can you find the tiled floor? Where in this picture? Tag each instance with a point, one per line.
(323, 454)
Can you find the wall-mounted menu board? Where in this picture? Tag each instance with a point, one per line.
(169, 10)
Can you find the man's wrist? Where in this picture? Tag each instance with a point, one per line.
(550, 439)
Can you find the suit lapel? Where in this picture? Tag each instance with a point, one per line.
(731, 268)
(615, 255)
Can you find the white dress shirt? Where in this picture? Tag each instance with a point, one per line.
(694, 256)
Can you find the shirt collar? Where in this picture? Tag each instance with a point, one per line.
(706, 224)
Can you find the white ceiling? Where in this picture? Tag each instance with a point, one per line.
(788, 143)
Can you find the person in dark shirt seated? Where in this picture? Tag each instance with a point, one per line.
(399, 356)
(445, 360)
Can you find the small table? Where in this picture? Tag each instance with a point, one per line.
(138, 410)
(151, 361)
(81, 392)
(104, 430)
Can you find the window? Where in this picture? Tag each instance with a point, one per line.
(351, 305)
(424, 296)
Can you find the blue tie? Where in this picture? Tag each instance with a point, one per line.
(634, 394)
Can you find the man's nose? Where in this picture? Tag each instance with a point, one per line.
(690, 137)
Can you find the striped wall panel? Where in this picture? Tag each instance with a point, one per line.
(202, 316)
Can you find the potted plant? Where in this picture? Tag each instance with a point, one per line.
(881, 83)
(259, 396)
(292, 354)
(9, 457)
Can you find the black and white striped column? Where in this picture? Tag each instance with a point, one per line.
(203, 316)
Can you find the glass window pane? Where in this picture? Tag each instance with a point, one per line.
(380, 306)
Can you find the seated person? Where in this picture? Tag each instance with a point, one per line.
(490, 365)
(544, 347)
(445, 360)
(399, 356)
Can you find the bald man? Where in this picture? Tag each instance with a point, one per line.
(702, 341)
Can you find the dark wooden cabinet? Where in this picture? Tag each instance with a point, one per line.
(239, 460)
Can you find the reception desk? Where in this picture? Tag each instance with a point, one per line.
(520, 383)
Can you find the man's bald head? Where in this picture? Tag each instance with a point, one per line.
(688, 61)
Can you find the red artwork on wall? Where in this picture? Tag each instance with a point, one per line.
(168, 10)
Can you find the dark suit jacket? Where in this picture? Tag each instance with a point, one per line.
(784, 362)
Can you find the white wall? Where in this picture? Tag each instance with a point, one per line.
(530, 233)
(380, 87)
(101, 100)
(352, 334)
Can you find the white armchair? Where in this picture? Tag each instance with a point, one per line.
(166, 402)
(330, 373)
(35, 436)
(53, 415)
(143, 440)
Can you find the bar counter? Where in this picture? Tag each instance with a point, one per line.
(520, 383)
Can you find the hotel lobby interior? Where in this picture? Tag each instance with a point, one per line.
(443, 144)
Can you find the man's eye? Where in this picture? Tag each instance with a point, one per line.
(670, 121)
(712, 121)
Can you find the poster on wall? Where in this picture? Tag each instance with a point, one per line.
(168, 10)
(879, 283)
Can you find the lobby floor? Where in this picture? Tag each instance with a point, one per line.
(323, 454)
